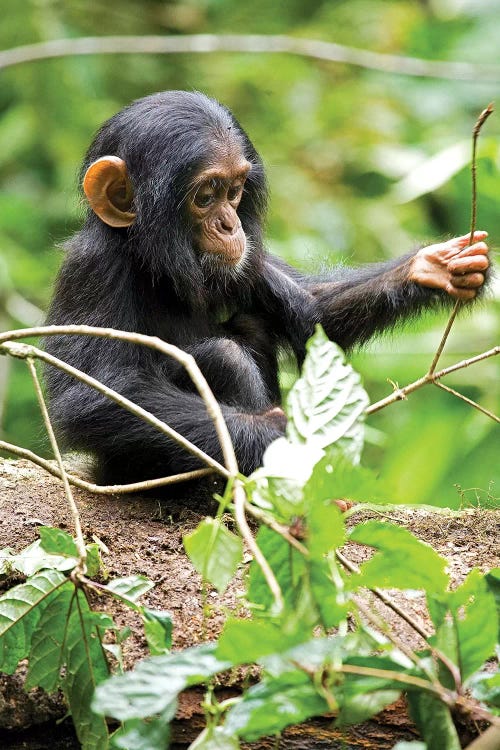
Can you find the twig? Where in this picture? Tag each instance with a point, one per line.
(489, 740)
(279, 528)
(258, 43)
(468, 401)
(401, 393)
(467, 362)
(475, 135)
(24, 350)
(152, 342)
(231, 470)
(80, 541)
(240, 501)
(98, 489)
(386, 599)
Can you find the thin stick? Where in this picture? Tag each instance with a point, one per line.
(468, 401)
(152, 342)
(467, 362)
(100, 489)
(253, 43)
(401, 393)
(489, 740)
(385, 598)
(475, 135)
(240, 500)
(22, 351)
(80, 541)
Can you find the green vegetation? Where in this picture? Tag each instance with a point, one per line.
(308, 590)
(362, 165)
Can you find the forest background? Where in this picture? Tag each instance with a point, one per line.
(362, 165)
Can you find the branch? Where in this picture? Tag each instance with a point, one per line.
(23, 310)
(80, 541)
(213, 408)
(475, 135)
(401, 393)
(98, 489)
(24, 351)
(489, 740)
(253, 43)
(240, 500)
(468, 401)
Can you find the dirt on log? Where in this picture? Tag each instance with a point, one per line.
(144, 535)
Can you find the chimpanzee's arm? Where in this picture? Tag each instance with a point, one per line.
(353, 304)
(87, 421)
(128, 448)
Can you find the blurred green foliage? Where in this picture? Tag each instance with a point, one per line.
(362, 165)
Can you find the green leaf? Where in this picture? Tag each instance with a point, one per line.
(410, 746)
(69, 636)
(434, 721)
(362, 696)
(246, 641)
(215, 738)
(93, 560)
(476, 621)
(326, 528)
(142, 735)
(486, 688)
(335, 476)
(469, 636)
(20, 610)
(327, 403)
(282, 496)
(287, 564)
(330, 599)
(214, 551)
(493, 581)
(273, 704)
(358, 706)
(402, 560)
(154, 684)
(86, 667)
(130, 587)
(57, 542)
(158, 628)
(34, 558)
(445, 640)
(47, 644)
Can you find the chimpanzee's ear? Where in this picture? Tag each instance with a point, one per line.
(109, 191)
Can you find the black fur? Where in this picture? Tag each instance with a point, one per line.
(149, 279)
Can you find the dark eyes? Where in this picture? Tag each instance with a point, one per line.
(206, 195)
(234, 192)
(203, 199)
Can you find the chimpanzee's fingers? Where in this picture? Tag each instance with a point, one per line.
(479, 248)
(468, 264)
(463, 294)
(463, 241)
(468, 281)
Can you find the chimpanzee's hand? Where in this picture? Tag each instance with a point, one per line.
(453, 266)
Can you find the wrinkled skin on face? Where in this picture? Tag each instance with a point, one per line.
(213, 206)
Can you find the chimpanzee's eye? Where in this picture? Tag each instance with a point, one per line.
(203, 197)
(234, 192)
